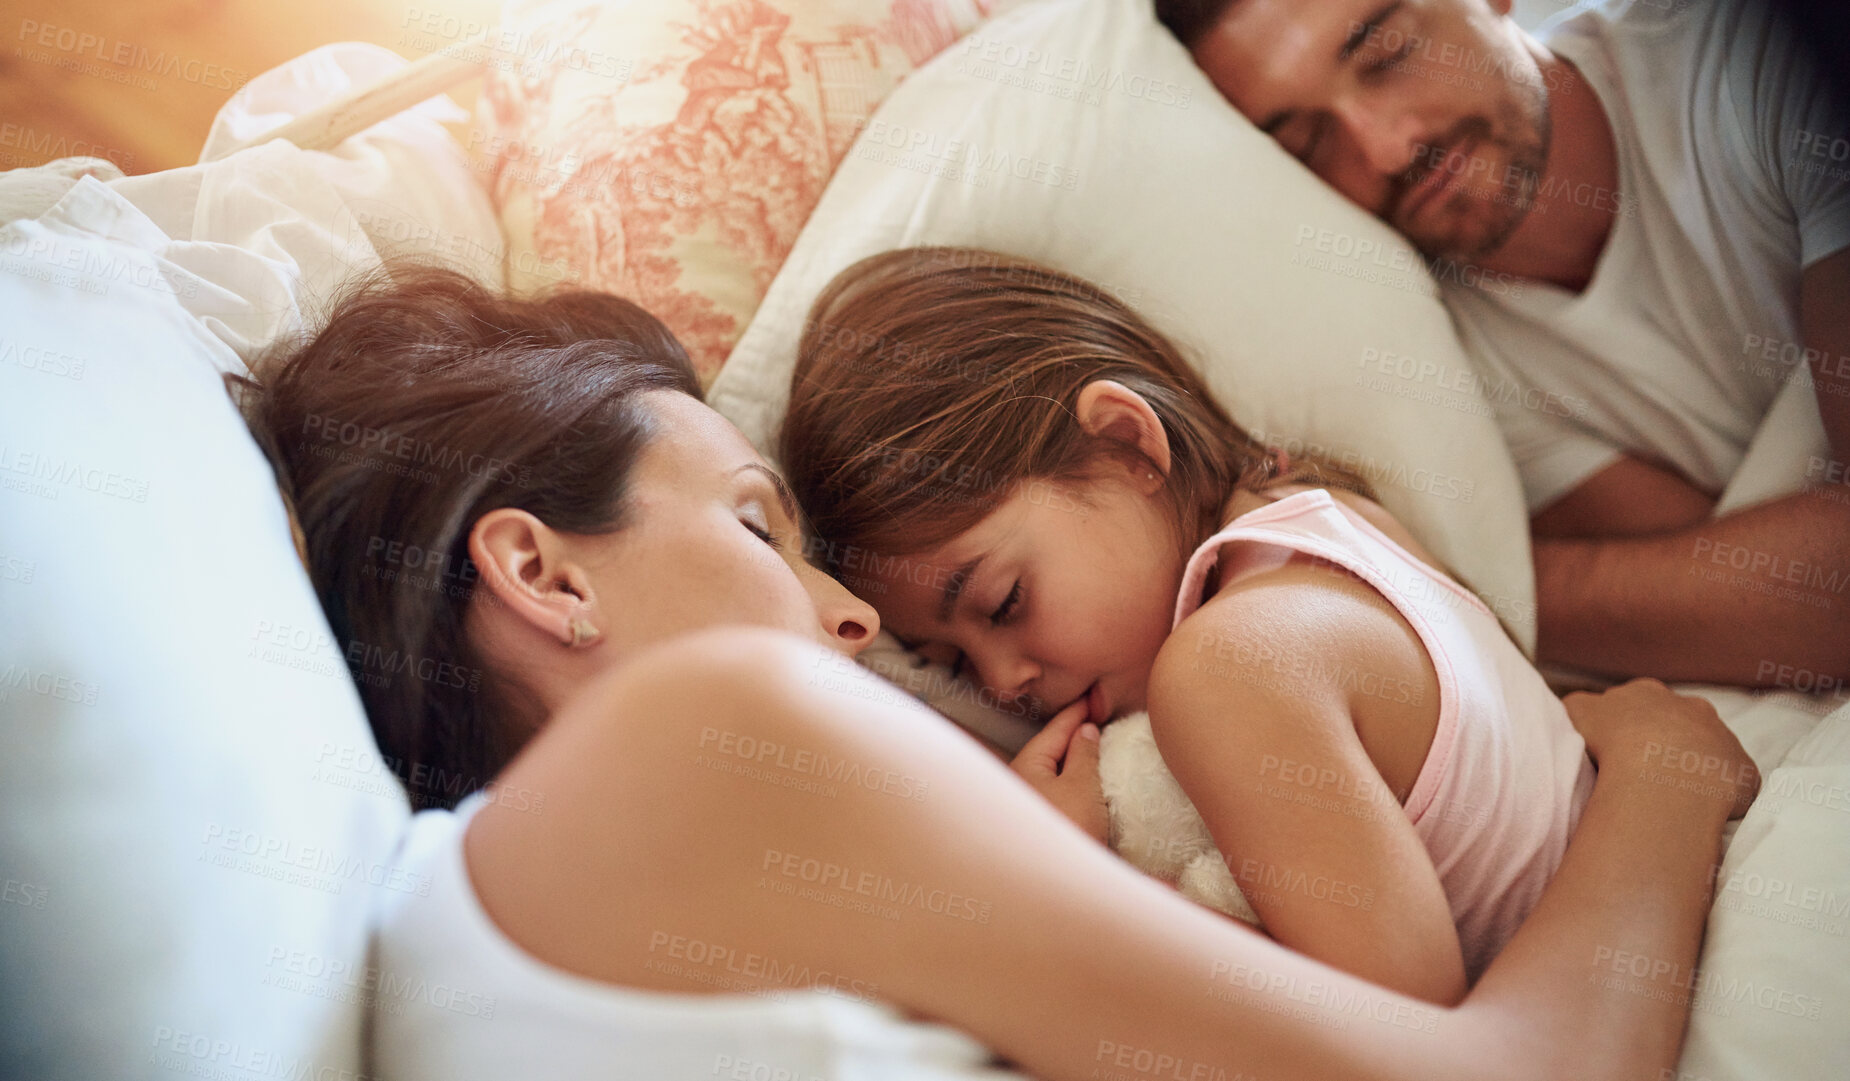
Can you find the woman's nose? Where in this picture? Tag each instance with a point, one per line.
(848, 623)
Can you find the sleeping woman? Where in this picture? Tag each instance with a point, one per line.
(1388, 777)
(549, 508)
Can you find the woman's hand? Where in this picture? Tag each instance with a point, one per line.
(1674, 739)
(1061, 763)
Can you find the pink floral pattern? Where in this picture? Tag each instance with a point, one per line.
(682, 182)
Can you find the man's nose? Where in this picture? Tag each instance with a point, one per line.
(1387, 134)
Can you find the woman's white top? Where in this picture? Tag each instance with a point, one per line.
(454, 999)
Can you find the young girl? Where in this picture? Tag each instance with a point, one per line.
(1045, 494)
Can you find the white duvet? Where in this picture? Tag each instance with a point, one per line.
(1772, 990)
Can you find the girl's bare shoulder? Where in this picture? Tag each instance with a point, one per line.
(1280, 631)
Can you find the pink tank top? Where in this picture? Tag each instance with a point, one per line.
(1507, 775)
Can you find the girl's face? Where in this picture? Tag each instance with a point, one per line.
(1065, 591)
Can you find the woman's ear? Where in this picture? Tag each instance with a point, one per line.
(1110, 410)
(524, 568)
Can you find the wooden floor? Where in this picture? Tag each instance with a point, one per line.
(138, 81)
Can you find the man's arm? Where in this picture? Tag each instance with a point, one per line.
(1733, 600)
(1629, 498)
(1631, 579)
(1824, 319)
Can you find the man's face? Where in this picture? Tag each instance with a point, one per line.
(1430, 114)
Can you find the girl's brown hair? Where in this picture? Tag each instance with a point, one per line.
(931, 383)
(426, 402)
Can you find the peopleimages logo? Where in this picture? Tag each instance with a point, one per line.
(1394, 265)
(370, 441)
(71, 48)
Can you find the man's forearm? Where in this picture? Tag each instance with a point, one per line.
(1750, 598)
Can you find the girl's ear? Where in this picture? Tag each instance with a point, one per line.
(1110, 410)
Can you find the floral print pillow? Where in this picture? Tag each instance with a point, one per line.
(670, 150)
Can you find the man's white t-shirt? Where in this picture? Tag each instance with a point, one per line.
(1728, 188)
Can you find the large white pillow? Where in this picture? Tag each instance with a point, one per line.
(1080, 133)
(195, 823)
(192, 823)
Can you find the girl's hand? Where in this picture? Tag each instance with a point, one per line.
(1061, 763)
(1671, 739)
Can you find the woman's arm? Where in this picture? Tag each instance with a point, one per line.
(750, 791)
(1253, 703)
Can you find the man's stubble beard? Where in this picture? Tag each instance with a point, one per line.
(1525, 136)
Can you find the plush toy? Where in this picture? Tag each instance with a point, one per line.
(1154, 826)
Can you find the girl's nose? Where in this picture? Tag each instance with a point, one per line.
(1009, 676)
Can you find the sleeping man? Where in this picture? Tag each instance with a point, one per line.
(1667, 185)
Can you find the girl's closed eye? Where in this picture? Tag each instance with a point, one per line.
(1006, 611)
(1009, 607)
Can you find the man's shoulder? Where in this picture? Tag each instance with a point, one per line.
(1593, 18)
(1657, 30)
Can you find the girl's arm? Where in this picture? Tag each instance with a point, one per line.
(748, 790)
(1252, 701)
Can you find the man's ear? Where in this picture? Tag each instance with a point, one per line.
(524, 568)
(1110, 410)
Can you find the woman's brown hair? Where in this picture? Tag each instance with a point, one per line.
(931, 383)
(425, 402)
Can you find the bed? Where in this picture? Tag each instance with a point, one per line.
(196, 822)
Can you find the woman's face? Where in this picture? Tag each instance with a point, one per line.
(712, 537)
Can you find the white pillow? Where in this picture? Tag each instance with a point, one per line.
(412, 190)
(1080, 133)
(191, 818)
(195, 823)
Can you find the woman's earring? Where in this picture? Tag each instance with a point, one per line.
(584, 633)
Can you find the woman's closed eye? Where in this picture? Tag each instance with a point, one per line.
(753, 518)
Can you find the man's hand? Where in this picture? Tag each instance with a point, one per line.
(1061, 763)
